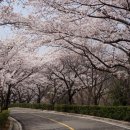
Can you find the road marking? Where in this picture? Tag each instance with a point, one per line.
(90, 118)
(70, 128)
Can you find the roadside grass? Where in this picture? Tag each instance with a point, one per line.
(6, 125)
(4, 122)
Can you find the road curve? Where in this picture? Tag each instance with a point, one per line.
(41, 120)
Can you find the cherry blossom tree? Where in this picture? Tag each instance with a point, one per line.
(8, 15)
(56, 90)
(94, 83)
(97, 30)
(17, 64)
(107, 26)
(68, 79)
(41, 87)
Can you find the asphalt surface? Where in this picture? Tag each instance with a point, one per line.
(42, 120)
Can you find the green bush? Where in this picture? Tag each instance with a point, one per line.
(113, 112)
(3, 118)
(34, 106)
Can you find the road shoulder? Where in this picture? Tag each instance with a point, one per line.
(14, 124)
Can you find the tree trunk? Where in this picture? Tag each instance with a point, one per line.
(95, 102)
(70, 99)
(38, 99)
(7, 101)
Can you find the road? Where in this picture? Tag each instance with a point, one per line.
(44, 120)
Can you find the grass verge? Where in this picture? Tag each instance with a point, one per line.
(4, 119)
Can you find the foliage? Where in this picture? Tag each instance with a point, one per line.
(102, 45)
(34, 106)
(103, 39)
(119, 92)
(113, 112)
(3, 117)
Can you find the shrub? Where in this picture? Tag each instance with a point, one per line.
(3, 118)
(34, 106)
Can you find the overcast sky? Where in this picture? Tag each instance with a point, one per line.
(5, 31)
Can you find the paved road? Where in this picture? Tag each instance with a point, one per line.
(42, 120)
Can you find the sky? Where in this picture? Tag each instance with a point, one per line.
(5, 31)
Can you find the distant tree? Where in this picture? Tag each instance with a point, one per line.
(62, 72)
(15, 68)
(119, 92)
